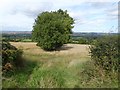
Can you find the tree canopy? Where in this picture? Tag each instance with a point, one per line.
(52, 29)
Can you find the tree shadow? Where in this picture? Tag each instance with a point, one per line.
(64, 47)
(21, 74)
(25, 67)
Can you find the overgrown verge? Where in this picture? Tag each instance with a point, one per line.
(102, 70)
(94, 76)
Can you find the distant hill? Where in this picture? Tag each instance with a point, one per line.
(16, 32)
(74, 33)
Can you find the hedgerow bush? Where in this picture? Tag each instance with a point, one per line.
(105, 52)
(11, 56)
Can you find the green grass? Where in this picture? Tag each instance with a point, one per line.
(18, 77)
(58, 71)
(44, 71)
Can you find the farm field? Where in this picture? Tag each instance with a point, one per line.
(63, 68)
(49, 69)
(67, 49)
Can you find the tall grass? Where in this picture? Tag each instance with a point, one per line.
(96, 77)
(44, 72)
(19, 77)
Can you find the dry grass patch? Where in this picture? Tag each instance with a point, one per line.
(67, 49)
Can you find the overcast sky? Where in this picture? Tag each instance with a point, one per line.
(89, 15)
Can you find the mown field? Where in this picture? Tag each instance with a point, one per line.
(62, 68)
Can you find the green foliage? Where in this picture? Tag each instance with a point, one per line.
(11, 56)
(80, 40)
(52, 29)
(104, 52)
(83, 41)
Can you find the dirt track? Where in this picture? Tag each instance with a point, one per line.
(67, 49)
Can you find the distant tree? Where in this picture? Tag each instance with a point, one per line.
(83, 41)
(52, 29)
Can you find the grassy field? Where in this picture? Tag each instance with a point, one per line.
(61, 68)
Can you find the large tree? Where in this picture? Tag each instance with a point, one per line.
(52, 29)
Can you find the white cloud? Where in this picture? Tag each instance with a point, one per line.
(15, 20)
(21, 13)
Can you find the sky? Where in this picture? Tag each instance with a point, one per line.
(89, 15)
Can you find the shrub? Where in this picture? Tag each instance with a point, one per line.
(52, 29)
(105, 52)
(11, 56)
(83, 41)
